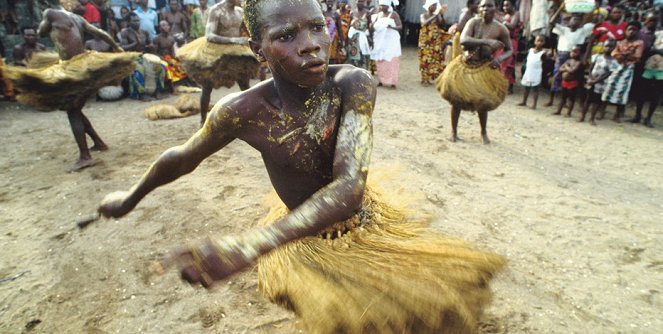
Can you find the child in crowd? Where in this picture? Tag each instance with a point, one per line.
(602, 66)
(534, 70)
(618, 85)
(574, 34)
(571, 72)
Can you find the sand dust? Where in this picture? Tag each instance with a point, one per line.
(573, 207)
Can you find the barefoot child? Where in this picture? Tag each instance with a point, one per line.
(335, 253)
(602, 66)
(618, 85)
(571, 72)
(534, 70)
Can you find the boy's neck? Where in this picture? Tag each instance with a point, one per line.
(537, 49)
(294, 97)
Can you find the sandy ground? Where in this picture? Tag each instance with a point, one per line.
(573, 207)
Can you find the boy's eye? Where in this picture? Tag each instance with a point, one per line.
(319, 27)
(285, 37)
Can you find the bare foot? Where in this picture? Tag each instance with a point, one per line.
(592, 122)
(533, 107)
(580, 120)
(557, 113)
(486, 141)
(453, 138)
(521, 104)
(548, 104)
(99, 147)
(567, 115)
(83, 163)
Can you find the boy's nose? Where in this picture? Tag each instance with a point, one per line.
(309, 44)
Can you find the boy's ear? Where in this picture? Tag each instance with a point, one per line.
(257, 50)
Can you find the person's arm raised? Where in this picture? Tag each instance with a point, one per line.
(215, 260)
(175, 162)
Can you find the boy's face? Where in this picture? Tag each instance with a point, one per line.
(135, 22)
(631, 31)
(609, 46)
(164, 27)
(616, 14)
(295, 41)
(539, 42)
(575, 52)
(574, 22)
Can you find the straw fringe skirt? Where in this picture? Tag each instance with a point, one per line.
(379, 272)
(67, 84)
(216, 65)
(471, 87)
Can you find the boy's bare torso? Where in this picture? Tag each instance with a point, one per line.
(297, 143)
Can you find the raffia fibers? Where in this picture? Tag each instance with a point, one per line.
(216, 65)
(379, 272)
(471, 87)
(67, 84)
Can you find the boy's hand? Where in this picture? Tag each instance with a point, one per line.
(207, 263)
(115, 204)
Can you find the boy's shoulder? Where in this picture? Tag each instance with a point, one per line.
(344, 75)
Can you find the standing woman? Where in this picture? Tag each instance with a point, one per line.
(386, 26)
(345, 18)
(358, 48)
(511, 19)
(333, 23)
(431, 41)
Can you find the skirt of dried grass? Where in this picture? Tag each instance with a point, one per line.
(216, 65)
(67, 84)
(379, 272)
(185, 106)
(42, 59)
(471, 87)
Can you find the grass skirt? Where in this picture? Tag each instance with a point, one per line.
(67, 84)
(379, 272)
(471, 87)
(216, 65)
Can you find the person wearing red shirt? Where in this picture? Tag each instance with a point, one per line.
(91, 14)
(614, 27)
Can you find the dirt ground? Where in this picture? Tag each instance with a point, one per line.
(574, 208)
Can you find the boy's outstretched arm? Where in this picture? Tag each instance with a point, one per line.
(339, 200)
(173, 163)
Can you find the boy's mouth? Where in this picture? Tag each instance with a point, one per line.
(315, 65)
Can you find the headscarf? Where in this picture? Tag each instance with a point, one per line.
(432, 2)
(391, 3)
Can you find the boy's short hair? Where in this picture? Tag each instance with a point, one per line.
(636, 24)
(251, 18)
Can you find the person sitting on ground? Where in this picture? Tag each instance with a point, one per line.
(602, 66)
(335, 252)
(23, 52)
(571, 73)
(148, 79)
(165, 48)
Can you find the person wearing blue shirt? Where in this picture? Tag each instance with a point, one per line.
(149, 18)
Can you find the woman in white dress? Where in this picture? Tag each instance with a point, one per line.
(386, 51)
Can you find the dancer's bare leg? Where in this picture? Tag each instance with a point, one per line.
(99, 144)
(483, 119)
(204, 103)
(455, 114)
(78, 128)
